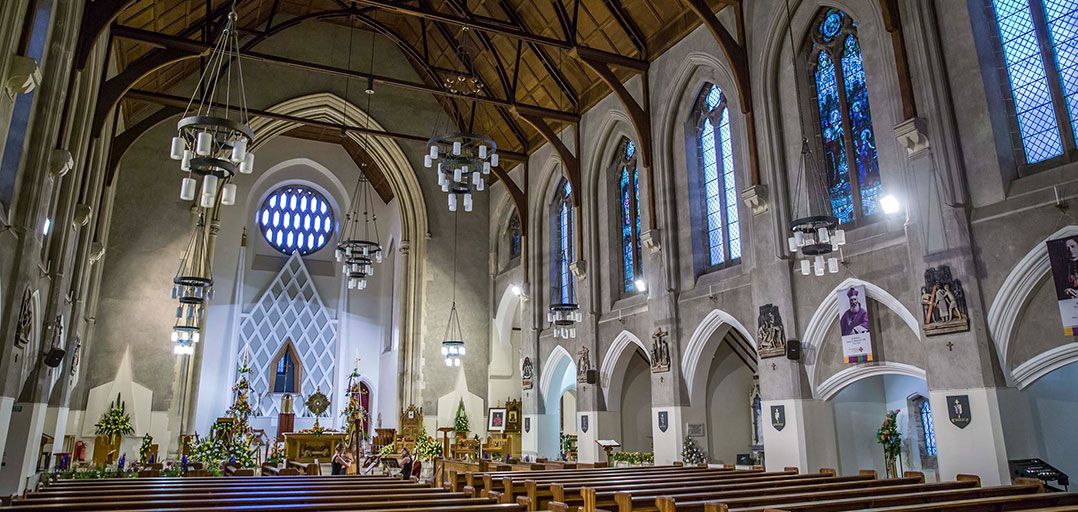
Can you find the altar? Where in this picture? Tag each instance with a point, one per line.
(308, 446)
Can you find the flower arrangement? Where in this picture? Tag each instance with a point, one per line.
(144, 449)
(692, 454)
(354, 410)
(567, 444)
(115, 422)
(317, 430)
(276, 454)
(388, 450)
(209, 451)
(889, 436)
(427, 448)
(460, 422)
(891, 439)
(634, 458)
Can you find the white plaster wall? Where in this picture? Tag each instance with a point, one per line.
(728, 411)
(636, 435)
(1053, 404)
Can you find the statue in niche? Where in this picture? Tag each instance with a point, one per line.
(660, 352)
(770, 335)
(943, 303)
(583, 364)
(526, 373)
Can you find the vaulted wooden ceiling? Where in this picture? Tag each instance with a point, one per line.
(531, 63)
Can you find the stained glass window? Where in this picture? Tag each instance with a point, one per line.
(32, 44)
(721, 226)
(561, 245)
(848, 144)
(628, 187)
(296, 218)
(284, 381)
(514, 235)
(928, 428)
(1038, 73)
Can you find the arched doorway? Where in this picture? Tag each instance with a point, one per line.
(859, 409)
(557, 379)
(636, 404)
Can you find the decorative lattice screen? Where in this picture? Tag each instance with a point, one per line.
(290, 309)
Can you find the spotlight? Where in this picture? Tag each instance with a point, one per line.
(890, 204)
(641, 285)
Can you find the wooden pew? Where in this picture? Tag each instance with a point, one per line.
(306, 468)
(480, 482)
(836, 501)
(642, 498)
(268, 470)
(535, 485)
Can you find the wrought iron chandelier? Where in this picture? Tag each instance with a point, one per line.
(192, 287)
(462, 160)
(563, 318)
(815, 236)
(453, 341)
(212, 138)
(357, 251)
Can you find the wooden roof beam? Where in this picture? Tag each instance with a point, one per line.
(629, 26)
(495, 26)
(192, 46)
(544, 57)
(171, 100)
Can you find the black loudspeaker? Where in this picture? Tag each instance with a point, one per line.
(591, 377)
(793, 350)
(54, 357)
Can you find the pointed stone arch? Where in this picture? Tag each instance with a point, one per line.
(703, 343)
(615, 361)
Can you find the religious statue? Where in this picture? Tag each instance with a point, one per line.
(583, 364)
(526, 373)
(660, 352)
(943, 303)
(770, 335)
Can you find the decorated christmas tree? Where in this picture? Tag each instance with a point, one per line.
(460, 423)
(692, 454)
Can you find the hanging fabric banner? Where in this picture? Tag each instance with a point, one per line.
(853, 325)
(1063, 256)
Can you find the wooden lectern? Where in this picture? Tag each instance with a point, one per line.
(286, 419)
(608, 446)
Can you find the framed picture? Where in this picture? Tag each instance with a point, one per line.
(496, 419)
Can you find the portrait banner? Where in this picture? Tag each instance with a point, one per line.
(1063, 256)
(853, 323)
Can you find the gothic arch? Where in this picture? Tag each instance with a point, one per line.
(848, 376)
(827, 312)
(400, 174)
(1007, 306)
(559, 360)
(701, 345)
(612, 369)
(598, 207)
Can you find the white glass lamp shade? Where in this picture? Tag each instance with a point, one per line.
(483, 151)
(247, 166)
(434, 151)
(178, 148)
(832, 265)
(475, 178)
(839, 238)
(456, 148)
(228, 194)
(452, 202)
(185, 160)
(805, 267)
(445, 186)
(188, 188)
(458, 175)
(467, 202)
(209, 190)
(427, 161)
(823, 235)
(494, 160)
(480, 185)
(239, 151)
(204, 143)
(799, 238)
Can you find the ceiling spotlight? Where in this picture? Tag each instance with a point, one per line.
(516, 290)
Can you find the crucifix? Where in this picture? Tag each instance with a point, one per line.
(950, 346)
(774, 366)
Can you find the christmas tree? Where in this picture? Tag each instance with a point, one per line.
(691, 454)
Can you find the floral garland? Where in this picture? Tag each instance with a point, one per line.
(460, 422)
(634, 457)
(144, 449)
(889, 436)
(115, 422)
(692, 454)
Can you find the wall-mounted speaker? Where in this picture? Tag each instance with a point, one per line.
(54, 357)
(793, 350)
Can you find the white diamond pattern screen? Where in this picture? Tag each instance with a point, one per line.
(290, 309)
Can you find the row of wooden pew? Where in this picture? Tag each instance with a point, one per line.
(701, 489)
(254, 493)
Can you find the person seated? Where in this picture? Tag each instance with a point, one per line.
(406, 464)
(341, 461)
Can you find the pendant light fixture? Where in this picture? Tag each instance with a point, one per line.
(462, 160)
(453, 342)
(192, 287)
(814, 232)
(357, 250)
(212, 138)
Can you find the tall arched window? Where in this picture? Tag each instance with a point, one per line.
(718, 200)
(852, 174)
(628, 193)
(561, 245)
(287, 369)
(1038, 41)
(513, 235)
(925, 411)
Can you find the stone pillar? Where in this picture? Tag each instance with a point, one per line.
(24, 442)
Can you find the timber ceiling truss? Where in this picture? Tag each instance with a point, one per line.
(537, 61)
